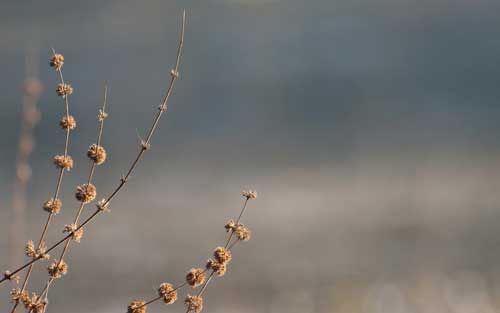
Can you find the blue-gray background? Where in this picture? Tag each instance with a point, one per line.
(370, 129)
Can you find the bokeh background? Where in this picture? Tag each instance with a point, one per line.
(370, 129)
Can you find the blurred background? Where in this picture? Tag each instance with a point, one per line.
(368, 127)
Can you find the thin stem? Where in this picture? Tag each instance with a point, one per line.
(82, 204)
(185, 283)
(124, 179)
(237, 221)
(205, 285)
(56, 192)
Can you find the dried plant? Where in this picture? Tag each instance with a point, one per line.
(197, 276)
(63, 162)
(85, 193)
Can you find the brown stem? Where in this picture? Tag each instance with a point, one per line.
(124, 179)
(82, 204)
(56, 193)
(212, 273)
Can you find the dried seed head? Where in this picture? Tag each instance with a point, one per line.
(11, 277)
(222, 255)
(34, 304)
(163, 107)
(195, 277)
(102, 115)
(58, 268)
(52, 205)
(64, 90)
(85, 193)
(145, 145)
(36, 253)
(168, 293)
(76, 235)
(103, 205)
(249, 194)
(137, 306)
(216, 267)
(17, 295)
(230, 226)
(62, 161)
(194, 303)
(242, 232)
(57, 61)
(97, 154)
(68, 122)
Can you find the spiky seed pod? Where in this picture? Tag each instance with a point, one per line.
(102, 115)
(216, 267)
(194, 303)
(68, 122)
(137, 306)
(34, 252)
(76, 235)
(249, 194)
(195, 277)
(64, 90)
(97, 154)
(58, 269)
(35, 304)
(52, 205)
(17, 294)
(65, 162)
(168, 293)
(86, 193)
(57, 61)
(222, 255)
(242, 232)
(230, 225)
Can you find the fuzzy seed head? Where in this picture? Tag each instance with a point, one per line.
(194, 303)
(86, 193)
(97, 154)
(36, 252)
(216, 267)
(57, 61)
(68, 122)
(195, 277)
(76, 235)
(222, 255)
(34, 304)
(249, 194)
(65, 162)
(64, 90)
(58, 269)
(18, 295)
(230, 226)
(52, 205)
(168, 293)
(242, 232)
(102, 115)
(137, 306)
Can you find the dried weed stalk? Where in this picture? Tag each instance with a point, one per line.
(85, 193)
(197, 276)
(63, 162)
